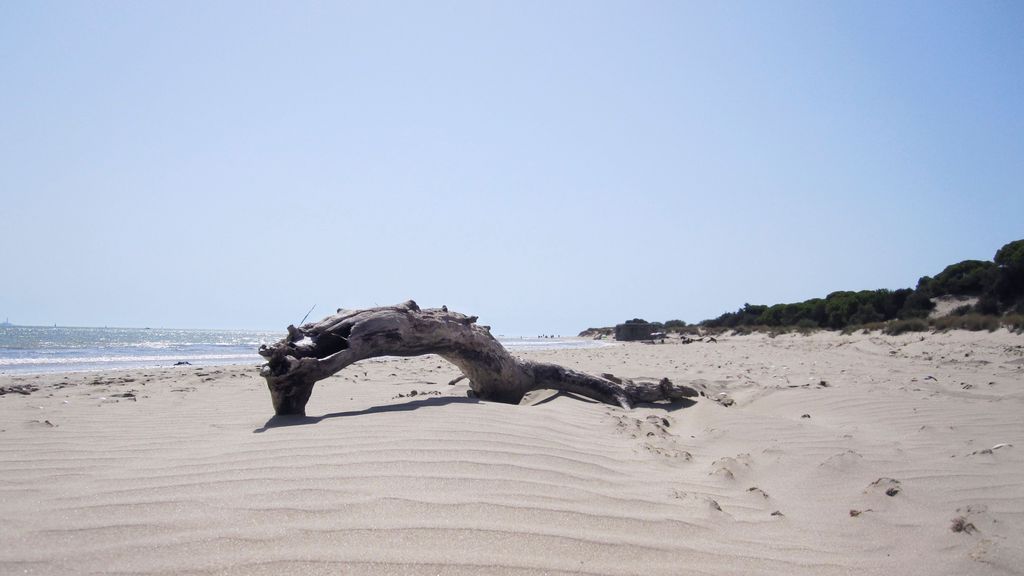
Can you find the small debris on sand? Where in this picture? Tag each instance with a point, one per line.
(891, 486)
(992, 449)
(723, 399)
(23, 389)
(960, 524)
(413, 393)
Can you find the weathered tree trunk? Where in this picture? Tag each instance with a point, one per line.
(317, 350)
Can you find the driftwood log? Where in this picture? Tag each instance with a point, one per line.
(317, 350)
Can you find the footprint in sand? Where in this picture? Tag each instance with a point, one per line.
(652, 426)
(844, 461)
(653, 433)
(41, 424)
(888, 486)
(982, 550)
(699, 502)
(730, 467)
(668, 451)
(758, 492)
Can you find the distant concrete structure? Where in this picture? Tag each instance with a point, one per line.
(634, 331)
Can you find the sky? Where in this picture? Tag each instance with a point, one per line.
(547, 166)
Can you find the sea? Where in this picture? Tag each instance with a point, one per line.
(41, 349)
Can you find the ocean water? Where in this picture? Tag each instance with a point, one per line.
(36, 349)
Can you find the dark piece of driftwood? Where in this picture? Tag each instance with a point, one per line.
(317, 350)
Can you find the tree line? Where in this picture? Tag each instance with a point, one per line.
(998, 286)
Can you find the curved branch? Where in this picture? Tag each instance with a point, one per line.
(317, 350)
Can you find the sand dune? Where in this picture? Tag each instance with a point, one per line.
(838, 455)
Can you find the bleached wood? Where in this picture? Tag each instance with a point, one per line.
(317, 350)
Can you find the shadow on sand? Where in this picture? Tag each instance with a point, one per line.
(282, 421)
(667, 406)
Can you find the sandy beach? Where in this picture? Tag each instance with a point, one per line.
(821, 454)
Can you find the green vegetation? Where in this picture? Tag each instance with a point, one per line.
(973, 322)
(603, 332)
(967, 278)
(908, 325)
(837, 311)
(1014, 322)
(998, 287)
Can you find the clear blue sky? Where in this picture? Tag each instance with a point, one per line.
(547, 166)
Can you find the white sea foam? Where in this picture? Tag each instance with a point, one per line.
(156, 359)
(551, 343)
(55, 349)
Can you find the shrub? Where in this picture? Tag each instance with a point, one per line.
(1011, 255)
(924, 286)
(748, 315)
(974, 322)
(917, 305)
(987, 305)
(896, 327)
(967, 277)
(978, 322)
(865, 314)
(806, 326)
(866, 328)
(1014, 322)
(999, 285)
